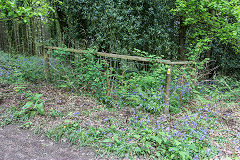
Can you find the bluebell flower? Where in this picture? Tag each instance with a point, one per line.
(76, 113)
(196, 157)
(202, 137)
(194, 124)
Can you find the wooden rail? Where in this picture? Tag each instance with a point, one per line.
(134, 58)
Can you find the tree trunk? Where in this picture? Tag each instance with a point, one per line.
(17, 37)
(14, 36)
(21, 38)
(209, 65)
(58, 30)
(25, 37)
(32, 26)
(8, 37)
(2, 36)
(182, 37)
(41, 35)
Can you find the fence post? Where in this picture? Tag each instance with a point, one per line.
(182, 76)
(167, 89)
(47, 66)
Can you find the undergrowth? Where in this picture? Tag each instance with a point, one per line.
(183, 134)
(129, 84)
(139, 136)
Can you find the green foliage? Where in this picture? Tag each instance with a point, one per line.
(54, 113)
(82, 71)
(88, 71)
(26, 125)
(227, 62)
(61, 55)
(127, 84)
(222, 89)
(28, 109)
(31, 108)
(210, 20)
(137, 89)
(26, 9)
(132, 87)
(212, 32)
(35, 105)
(18, 68)
(138, 139)
(127, 27)
(119, 26)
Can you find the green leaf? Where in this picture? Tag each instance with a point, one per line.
(138, 150)
(107, 140)
(40, 108)
(156, 139)
(184, 155)
(176, 142)
(28, 105)
(174, 149)
(136, 136)
(32, 113)
(37, 96)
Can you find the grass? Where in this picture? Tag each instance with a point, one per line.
(197, 131)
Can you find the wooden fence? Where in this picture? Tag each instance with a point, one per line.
(126, 57)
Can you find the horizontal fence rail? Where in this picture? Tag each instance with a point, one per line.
(134, 58)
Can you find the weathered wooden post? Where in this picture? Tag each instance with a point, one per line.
(47, 66)
(167, 89)
(183, 72)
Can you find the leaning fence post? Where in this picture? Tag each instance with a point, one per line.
(47, 66)
(167, 89)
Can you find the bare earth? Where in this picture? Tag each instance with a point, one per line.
(19, 144)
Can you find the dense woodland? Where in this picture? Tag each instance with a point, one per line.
(148, 79)
(177, 30)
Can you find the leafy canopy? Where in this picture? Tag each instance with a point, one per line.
(23, 9)
(211, 20)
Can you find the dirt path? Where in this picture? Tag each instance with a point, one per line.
(18, 144)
